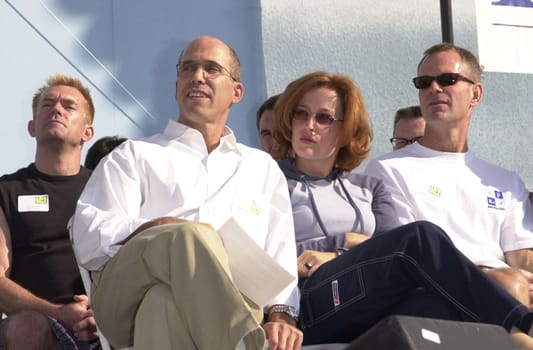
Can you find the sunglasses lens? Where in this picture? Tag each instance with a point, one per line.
(422, 82)
(300, 115)
(446, 79)
(324, 119)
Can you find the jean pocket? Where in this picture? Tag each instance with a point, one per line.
(322, 298)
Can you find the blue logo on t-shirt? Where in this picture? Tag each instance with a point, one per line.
(495, 199)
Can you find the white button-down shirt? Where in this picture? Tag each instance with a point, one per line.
(172, 174)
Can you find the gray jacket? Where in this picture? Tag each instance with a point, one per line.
(324, 209)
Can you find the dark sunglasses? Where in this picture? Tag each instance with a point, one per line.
(323, 119)
(444, 79)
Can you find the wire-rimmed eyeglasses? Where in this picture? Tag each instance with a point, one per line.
(301, 115)
(210, 69)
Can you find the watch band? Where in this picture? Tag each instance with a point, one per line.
(289, 310)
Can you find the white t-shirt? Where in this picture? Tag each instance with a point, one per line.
(172, 174)
(482, 207)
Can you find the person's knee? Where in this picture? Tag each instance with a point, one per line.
(426, 231)
(179, 244)
(196, 228)
(432, 229)
(194, 231)
(29, 330)
(170, 238)
(27, 322)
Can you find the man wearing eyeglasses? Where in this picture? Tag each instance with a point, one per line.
(409, 125)
(483, 207)
(145, 224)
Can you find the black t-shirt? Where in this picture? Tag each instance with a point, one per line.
(37, 209)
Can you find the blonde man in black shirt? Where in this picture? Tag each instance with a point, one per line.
(40, 286)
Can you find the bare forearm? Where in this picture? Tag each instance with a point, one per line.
(520, 259)
(527, 264)
(15, 298)
(352, 239)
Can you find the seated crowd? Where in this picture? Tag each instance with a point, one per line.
(416, 233)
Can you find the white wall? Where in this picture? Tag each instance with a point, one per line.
(376, 42)
(126, 51)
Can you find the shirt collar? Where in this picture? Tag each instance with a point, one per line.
(193, 138)
(428, 152)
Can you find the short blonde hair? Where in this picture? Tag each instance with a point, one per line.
(356, 133)
(63, 80)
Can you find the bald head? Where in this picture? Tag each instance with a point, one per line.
(211, 42)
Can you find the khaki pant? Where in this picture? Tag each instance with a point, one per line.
(169, 287)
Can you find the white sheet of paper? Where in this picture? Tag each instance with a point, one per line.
(254, 272)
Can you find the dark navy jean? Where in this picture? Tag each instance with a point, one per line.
(412, 270)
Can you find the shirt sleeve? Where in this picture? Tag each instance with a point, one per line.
(517, 228)
(106, 213)
(400, 203)
(281, 242)
(384, 209)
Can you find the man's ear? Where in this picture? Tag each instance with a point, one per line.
(88, 133)
(238, 92)
(477, 94)
(31, 128)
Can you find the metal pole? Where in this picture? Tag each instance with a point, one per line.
(446, 21)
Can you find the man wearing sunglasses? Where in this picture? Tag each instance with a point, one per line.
(483, 207)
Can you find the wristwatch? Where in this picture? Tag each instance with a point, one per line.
(341, 251)
(289, 310)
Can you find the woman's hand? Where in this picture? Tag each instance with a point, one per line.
(310, 260)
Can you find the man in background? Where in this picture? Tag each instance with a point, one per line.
(265, 124)
(409, 125)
